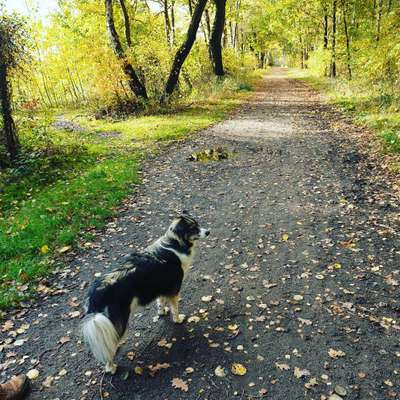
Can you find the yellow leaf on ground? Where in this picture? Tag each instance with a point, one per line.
(238, 369)
(285, 237)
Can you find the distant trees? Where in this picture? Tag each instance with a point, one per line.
(13, 51)
(184, 50)
(137, 87)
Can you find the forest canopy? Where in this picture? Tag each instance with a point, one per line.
(75, 62)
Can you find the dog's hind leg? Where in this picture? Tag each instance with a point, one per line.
(123, 339)
(161, 306)
(111, 367)
(174, 303)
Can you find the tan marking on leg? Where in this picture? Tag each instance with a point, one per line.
(174, 303)
(161, 305)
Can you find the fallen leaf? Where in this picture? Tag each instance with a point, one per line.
(220, 372)
(32, 374)
(238, 369)
(336, 353)
(206, 299)
(299, 373)
(64, 339)
(233, 327)
(48, 381)
(154, 369)
(74, 314)
(164, 343)
(282, 366)
(180, 384)
(138, 370)
(64, 249)
(8, 325)
(285, 237)
(311, 383)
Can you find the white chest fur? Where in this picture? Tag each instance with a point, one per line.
(185, 259)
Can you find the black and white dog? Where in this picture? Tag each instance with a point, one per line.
(156, 273)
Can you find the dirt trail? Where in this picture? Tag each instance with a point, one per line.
(303, 266)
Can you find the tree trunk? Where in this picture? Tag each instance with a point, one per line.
(346, 33)
(216, 37)
(11, 141)
(173, 21)
(333, 55)
(167, 24)
(126, 22)
(326, 37)
(378, 20)
(190, 7)
(134, 83)
(208, 22)
(184, 50)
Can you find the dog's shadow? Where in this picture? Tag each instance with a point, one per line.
(180, 351)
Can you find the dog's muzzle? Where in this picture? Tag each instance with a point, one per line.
(204, 232)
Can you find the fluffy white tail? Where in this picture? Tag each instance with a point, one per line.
(100, 335)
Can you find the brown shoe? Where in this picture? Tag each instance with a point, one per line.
(15, 389)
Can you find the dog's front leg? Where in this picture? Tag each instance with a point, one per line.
(174, 303)
(161, 306)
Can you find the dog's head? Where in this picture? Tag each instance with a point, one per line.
(187, 229)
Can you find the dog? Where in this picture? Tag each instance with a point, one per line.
(155, 273)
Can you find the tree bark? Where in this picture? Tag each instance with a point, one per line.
(173, 22)
(167, 23)
(378, 20)
(126, 22)
(333, 55)
(134, 83)
(216, 37)
(184, 50)
(326, 37)
(11, 141)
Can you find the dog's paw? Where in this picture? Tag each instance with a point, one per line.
(162, 311)
(178, 319)
(111, 368)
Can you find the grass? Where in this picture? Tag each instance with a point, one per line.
(66, 183)
(380, 113)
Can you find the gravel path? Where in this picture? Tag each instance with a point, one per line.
(302, 266)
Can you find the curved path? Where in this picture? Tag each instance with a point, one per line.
(302, 265)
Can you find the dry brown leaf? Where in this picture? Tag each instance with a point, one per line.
(48, 381)
(154, 369)
(336, 353)
(180, 384)
(299, 373)
(282, 366)
(8, 325)
(64, 339)
(311, 383)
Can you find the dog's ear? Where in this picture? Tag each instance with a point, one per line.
(179, 229)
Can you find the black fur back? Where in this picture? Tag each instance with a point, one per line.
(145, 276)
